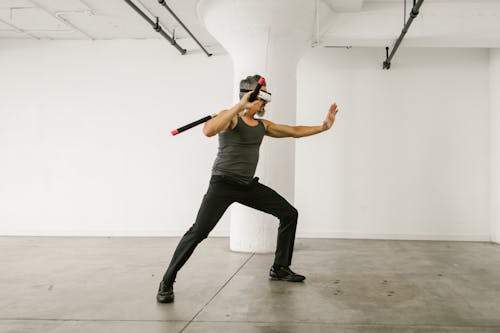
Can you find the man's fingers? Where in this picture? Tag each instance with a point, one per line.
(334, 107)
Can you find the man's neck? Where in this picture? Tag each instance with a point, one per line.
(249, 115)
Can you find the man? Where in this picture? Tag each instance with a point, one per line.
(240, 136)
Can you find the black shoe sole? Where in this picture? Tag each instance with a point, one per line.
(272, 278)
(166, 299)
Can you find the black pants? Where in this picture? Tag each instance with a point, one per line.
(221, 193)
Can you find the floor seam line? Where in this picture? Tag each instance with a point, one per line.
(90, 320)
(347, 324)
(217, 293)
(414, 325)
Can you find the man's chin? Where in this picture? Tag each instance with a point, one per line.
(261, 113)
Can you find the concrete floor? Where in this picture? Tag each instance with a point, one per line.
(109, 284)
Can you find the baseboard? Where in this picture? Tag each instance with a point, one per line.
(434, 237)
(225, 233)
(103, 233)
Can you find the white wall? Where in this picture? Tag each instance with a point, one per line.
(85, 147)
(85, 142)
(495, 144)
(408, 157)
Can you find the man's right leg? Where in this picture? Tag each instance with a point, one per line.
(213, 206)
(211, 210)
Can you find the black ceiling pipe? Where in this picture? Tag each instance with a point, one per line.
(156, 26)
(413, 15)
(164, 4)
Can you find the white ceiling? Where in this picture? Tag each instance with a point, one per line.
(440, 23)
(95, 19)
(446, 23)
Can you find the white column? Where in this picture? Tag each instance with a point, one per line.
(495, 144)
(265, 37)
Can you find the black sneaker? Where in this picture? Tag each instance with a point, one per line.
(282, 273)
(165, 293)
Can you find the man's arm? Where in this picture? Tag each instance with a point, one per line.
(286, 131)
(225, 119)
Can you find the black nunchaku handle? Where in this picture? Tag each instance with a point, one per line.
(255, 92)
(252, 98)
(191, 125)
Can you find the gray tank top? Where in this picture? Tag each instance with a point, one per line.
(239, 152)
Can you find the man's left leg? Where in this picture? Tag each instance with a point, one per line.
(269, 201)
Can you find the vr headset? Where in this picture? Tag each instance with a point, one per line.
(263, 95)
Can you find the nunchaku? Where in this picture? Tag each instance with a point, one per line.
(252, 98)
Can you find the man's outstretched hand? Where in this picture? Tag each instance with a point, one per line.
(330, 116)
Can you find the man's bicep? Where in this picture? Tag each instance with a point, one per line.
(231, 125)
